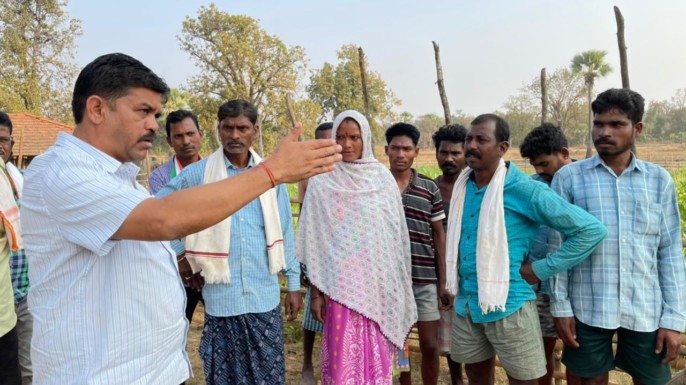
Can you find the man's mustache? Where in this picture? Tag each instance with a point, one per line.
(150, 136)
(449, 164)
(473, 153)
(604, 141)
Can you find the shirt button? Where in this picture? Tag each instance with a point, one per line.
(624, 240)
(469, 237)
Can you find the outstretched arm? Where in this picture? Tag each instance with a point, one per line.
(191, 210)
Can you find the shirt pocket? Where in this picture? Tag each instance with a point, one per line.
(646, 218)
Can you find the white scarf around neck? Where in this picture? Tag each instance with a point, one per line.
(492, 253)
(208, 250)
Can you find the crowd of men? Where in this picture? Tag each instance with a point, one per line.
(503, 264)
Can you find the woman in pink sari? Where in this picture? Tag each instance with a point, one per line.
(353, 237)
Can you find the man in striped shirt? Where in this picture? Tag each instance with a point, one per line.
(632, 283)
(424, 214)
(106, 299)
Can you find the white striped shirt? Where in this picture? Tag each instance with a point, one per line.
(105, 311)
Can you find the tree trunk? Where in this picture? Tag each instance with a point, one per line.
(363, 75)
(589, 146)
(544, 97)
(441, 86)
(623, 60)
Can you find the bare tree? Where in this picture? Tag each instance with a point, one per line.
(441, 86)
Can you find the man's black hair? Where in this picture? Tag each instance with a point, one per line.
(547, 139)
(402, 129)
(111, 76)
(176, 117)
(450, 132)
(6, 121)
(322, 127)
(502, 129)
(629, 102)
(237, 107)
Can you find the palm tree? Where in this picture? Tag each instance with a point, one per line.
(591, 65)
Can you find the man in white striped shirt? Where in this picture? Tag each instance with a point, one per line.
(107, 301)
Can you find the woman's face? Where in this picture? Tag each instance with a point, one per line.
(349, 136)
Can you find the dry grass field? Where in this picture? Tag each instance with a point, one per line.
(668, 155)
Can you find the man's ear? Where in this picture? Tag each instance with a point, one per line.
(503, 147)
(639, 128)
(96, 109)
(564, 151)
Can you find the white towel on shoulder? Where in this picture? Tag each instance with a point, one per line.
(492, 253)
(208, 250)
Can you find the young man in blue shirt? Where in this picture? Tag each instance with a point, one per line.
(632, 283)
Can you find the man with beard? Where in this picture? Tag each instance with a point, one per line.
(449, 143)
(631, 284)
(496, 212)
(240, 259)
(184, 136)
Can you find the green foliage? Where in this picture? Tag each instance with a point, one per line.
(427, 125)
(680, 184)
(591, 65)
(37, 51)
(238, 59)
(431, 171)
(339, 88)
(665, 120)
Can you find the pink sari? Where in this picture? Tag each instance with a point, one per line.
(354, 351)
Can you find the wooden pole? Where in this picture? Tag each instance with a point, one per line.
(20, 156)
(441, 86)
(363, 75)
(544, 97)
(291, 114)
(623, 61)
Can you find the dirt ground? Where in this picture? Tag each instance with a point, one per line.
(294, 356)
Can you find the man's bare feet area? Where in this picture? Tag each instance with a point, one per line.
(308, 378)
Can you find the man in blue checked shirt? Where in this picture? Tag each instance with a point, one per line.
(632, 283)
(243, 336)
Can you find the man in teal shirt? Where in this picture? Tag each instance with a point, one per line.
(495, 305)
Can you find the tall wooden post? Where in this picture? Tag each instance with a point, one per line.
(441, 86)
(623, 60)
(363, 75)
(544, 97)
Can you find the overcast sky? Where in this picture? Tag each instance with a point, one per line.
(489, 48)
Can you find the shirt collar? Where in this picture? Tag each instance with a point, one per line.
(634, 164)
(229, 165)
(104, 160)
